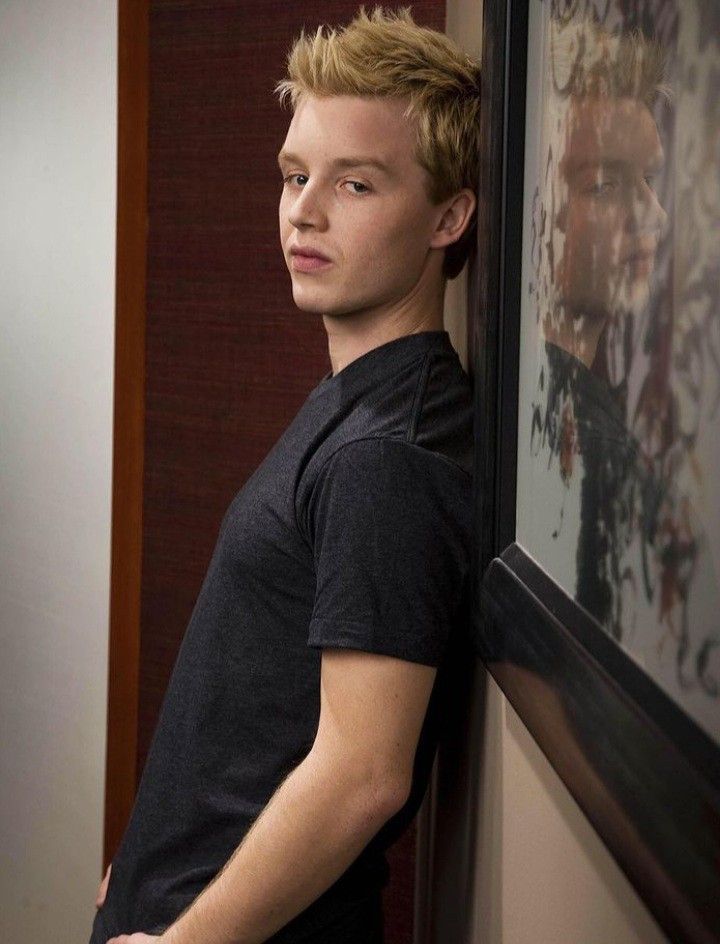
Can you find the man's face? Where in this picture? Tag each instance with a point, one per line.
(375, 225)
(610, 215)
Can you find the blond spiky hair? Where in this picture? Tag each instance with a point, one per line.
(388, 54)
(589, 60)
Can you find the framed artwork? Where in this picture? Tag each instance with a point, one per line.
(597, 362)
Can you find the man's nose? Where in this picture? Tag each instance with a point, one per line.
(647, 211)
(307, 207)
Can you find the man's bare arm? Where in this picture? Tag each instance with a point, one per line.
(356, 776)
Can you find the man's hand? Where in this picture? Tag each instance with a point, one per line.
(137, 938)
(102, 891)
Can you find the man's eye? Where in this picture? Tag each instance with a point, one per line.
(356, 183)
(353, 183)
(603, 188)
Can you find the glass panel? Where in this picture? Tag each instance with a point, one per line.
(619, 433)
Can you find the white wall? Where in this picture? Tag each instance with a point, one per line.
(58, 64)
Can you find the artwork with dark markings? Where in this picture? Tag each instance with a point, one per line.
(619, 433)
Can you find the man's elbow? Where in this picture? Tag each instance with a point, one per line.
(377, 797)
(388, 796)
(371, 793)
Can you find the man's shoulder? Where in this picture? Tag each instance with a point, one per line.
(424, 413)
(442, 422)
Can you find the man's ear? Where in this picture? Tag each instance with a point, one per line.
(455, 219)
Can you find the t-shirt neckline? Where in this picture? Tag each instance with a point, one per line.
(395, 353)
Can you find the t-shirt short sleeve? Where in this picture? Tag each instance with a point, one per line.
(389, 525)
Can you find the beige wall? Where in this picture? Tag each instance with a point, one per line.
(57, 245)
(540, 874)
(462, 22)
(543, 875)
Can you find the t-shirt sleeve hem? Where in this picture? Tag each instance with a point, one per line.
(344, 634)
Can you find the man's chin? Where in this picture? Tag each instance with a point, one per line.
(638, 296)
(315, 306)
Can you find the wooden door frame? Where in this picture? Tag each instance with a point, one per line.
(128, 421)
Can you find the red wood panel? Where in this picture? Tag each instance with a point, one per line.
(128, 422)
(229, 359)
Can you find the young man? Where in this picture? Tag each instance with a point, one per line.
(299, 724)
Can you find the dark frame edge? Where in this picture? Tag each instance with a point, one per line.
(649, 803)
(497, 280)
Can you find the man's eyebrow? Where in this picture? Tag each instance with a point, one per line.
(654, 163)
(577, 166)
(340, 162)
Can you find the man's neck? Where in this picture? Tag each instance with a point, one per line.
(354, 334)
(577, 335)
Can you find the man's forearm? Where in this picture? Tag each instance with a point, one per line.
(316, 824)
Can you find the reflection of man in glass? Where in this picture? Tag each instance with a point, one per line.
(618, 369)
(598, 255)
(610, 218)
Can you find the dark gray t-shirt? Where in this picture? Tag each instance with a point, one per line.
(354, 532)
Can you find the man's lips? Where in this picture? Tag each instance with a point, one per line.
(309, 253)
(640, 257)
(643, 251)
(308, 260)
(641, 261)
